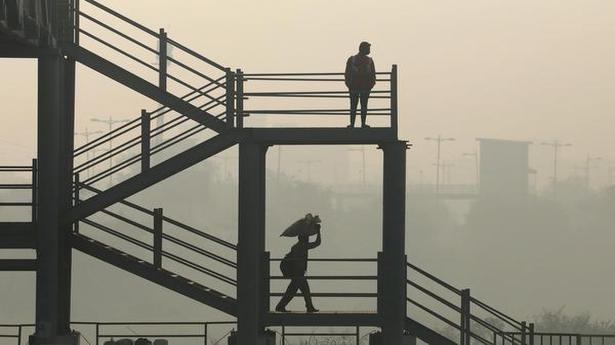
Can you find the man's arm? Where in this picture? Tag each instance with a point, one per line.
(372, 76)
(316, 243)
(347, 73)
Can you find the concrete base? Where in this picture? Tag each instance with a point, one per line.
(72, 339)
(376, 339)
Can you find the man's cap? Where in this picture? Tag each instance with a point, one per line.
(364, 44)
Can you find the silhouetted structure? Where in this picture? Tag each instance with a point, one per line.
(233, 278)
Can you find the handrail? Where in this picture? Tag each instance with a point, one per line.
(434, 278)
(124, 18)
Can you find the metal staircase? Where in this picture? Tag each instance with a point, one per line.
(204, 116)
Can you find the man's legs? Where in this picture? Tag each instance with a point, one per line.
(364, 95)
(307, 295)
(291, 291)
(354, 101)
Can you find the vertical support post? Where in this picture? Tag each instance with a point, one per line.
(239, 100)
(34, 190)
(394, 105)
(97, 333)
(19, 335)
(230, 98)
(523, 333)
(251, 244)
(55, 147)
(76, 200)
(162, 60)
(580, 340)
(283, 335)
(358, 335)
(77, 21)
(205, 333)
(392, 293)
(266, 282)
(145, 140)
(465, 331)
(158, 237)
(531, 333)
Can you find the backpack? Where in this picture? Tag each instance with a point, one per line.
(360, 73)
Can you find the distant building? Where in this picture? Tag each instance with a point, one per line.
(504, 168)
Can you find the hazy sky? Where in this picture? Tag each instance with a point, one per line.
(510, 69)
(514, 69)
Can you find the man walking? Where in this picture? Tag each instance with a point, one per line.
(360, 78)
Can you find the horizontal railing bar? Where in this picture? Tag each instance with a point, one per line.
(178, 138)
(152, 323)
(190, 69)
(17, 204)
(16, 186)
(434, 278)
(332, 294)
(176, 79)
(316, 96)
(300, 79)
(198, 250)
(15, 168)
(152, 335)
(200, 268)
(308, 93)
(118, 50)
(434, 296)
(119, 33)
(9, 336)
(311, 114)
(106, 173)
(124, 202)
(129, 221)
(191, 97)
(108, 155)
(255, 111)
(118, 234)
(300, 74)
(286, 334)
(199, 233)
(328, 278)
(433, 313)
(124, 18)
(196, 55)
(95, 143)
(514, 323)
(331, 259)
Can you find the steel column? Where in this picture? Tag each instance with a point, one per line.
(55, 142)
(392, 293)
(251, 246)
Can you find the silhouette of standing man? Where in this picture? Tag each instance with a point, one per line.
(294, 266)
(360, 78)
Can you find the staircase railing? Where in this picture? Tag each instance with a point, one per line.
(163, 241)
(473, 320)
(302, 95)
(31, 187)
(98, 26)
(348, 287)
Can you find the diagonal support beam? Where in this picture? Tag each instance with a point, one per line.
(144, 87)
(154, 175)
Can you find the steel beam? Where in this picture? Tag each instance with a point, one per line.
(153, 175)
(144, 87)
(322, 136)
(323, 319)
(251, 246)
(17, 265)
(392, 276)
